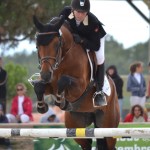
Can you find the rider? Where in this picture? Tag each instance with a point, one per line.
(88, 31)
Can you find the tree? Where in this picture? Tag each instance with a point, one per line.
(122, 58)
(16, 18)
(16, 74)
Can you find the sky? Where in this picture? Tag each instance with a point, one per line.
(120, 20)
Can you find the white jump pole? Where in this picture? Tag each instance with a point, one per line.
(76, 132)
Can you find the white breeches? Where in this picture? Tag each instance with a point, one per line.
(12, 119)
(100, 54)
(134, 100)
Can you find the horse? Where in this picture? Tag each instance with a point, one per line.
(65, 73)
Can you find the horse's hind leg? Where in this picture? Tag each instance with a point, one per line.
(111, 143)
(106, 144)
(79, 120)
(86, 144)
(101, 144)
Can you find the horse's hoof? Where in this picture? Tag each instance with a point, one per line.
(43, 110)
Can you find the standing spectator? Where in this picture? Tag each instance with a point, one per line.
(148, 90)
(3, 119)
(136, 84)
(3, 79)
(21, 109)
(136, 115)
(49, 117)
(113, 73)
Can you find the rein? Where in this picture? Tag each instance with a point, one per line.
(45, 33)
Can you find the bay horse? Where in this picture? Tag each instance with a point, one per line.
(65, 73)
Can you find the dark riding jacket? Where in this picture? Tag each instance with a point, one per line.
(90, 29)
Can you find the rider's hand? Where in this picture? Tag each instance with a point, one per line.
(77, 39)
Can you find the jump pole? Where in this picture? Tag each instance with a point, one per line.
(76, 132)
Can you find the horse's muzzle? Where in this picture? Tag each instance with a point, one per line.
(46, 76)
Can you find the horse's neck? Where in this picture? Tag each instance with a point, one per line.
(67, 38)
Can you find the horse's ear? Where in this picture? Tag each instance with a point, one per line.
(60, 22)
(37, 23)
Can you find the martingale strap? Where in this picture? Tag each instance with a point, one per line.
(73, 106)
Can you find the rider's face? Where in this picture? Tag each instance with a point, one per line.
(79, 15)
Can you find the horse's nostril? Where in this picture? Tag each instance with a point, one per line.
(46, 76)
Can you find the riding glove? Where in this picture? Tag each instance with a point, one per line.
(77, 39)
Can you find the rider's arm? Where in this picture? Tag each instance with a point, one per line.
(96, 32)
(65, 12)
(92, 42)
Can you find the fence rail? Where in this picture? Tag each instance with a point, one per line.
(76, 132)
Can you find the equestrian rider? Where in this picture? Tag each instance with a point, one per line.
(88, 31)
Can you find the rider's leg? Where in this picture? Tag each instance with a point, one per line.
(99, 96)
(100, 77)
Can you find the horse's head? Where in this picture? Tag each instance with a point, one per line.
(48, 40)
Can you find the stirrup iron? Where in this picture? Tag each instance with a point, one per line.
(100, 103)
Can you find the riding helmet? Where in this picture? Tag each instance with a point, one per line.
(81, 5)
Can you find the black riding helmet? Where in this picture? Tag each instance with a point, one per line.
(81, 5)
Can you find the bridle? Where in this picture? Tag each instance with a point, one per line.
(59, 58)
(47, 58)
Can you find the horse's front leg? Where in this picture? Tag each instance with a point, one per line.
(39, 88)
(66, 85)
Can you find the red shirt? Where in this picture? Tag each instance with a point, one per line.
(27, 107)
(129, 118)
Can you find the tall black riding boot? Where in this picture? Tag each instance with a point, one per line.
(99, 98)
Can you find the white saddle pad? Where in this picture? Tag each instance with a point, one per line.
(106, 87)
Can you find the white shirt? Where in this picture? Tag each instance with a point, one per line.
(77, 23)
(138, 77)
(20, 106)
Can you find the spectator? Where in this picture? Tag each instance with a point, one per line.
(21, 109)
(49, 117)
(3, 80)
(3, 119)
(136, 115)
(148, 90)
(60, 113)
(136, 84)
(113, 73)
